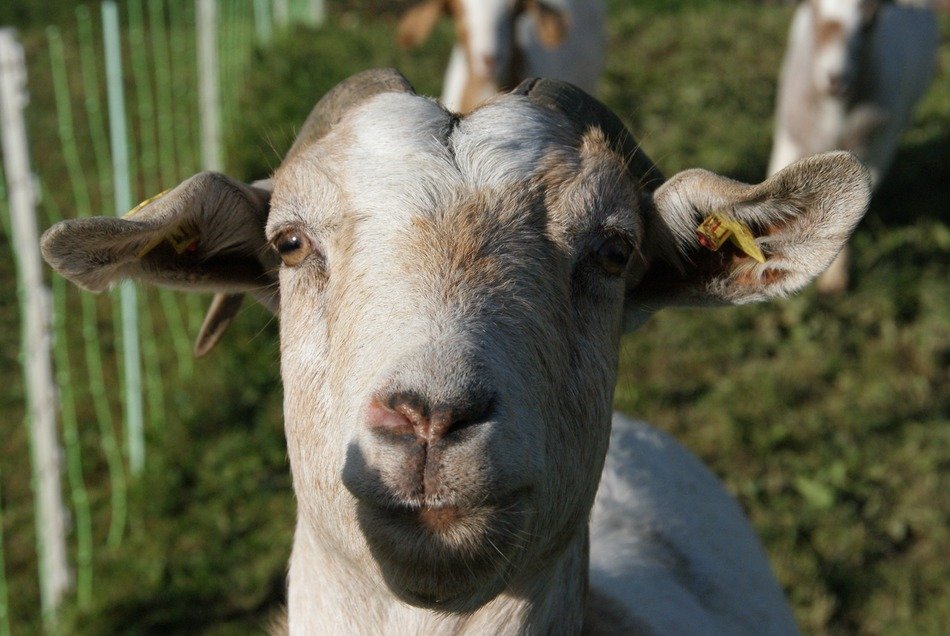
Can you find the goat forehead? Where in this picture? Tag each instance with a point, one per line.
(506, 141)
(400, 157)
(397, 160)
(408, 156)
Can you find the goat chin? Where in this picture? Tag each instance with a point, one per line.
(452, 560)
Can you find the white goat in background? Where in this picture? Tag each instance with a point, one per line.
(502, 42)
(853, 71)
(452, 294)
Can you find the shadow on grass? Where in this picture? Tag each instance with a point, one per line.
(189, 612)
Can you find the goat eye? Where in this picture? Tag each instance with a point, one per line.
(293, 247)
(611, 255)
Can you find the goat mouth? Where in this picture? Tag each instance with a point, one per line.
(440, 518)
(434, 519)
(452, 558)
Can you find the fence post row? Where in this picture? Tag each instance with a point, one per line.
(35, 315)
(282, 13)
(90, 328)
(262, 21)
(34, 298)
(318, 13)
(119, 144)
(209, 101)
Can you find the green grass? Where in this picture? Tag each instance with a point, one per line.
(828, 418)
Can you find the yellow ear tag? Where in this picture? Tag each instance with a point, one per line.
(712, 232)
(141, 205)
(715, 229)
(182, 238)
(148, 247)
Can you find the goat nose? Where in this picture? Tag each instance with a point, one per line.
(403, 413)
(489, 61)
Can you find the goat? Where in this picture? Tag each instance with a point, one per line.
(852, 74)
(452, 292)
(502, 42)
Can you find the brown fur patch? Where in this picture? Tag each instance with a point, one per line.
(474, 88)
(439, 520)
(551, 24)
(466, 246)
(827, 31)
(750, 275)
(417, 22)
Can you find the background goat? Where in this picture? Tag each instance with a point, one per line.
(452, 292)
(502, 42)
(853, 71)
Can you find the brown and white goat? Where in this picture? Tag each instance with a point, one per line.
(500, 43)
(452, 294)
(852, 74)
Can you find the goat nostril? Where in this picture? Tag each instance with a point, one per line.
(405, 413)
(383, 416)
(466, 412)
(489, 61)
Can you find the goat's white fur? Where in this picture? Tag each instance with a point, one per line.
(668, 543)
(450, 252)
(885, 67)
(661, 516)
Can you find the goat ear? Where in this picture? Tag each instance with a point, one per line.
(417, 23)
(207, 234)
(224, 307)
(796, 222)
(551, 23)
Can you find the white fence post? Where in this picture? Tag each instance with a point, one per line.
(35, 317)
(318, 12)
(282, 13)
(208, 88)
(119, 143)
(262, 23)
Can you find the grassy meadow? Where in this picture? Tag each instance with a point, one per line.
(826, 417)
